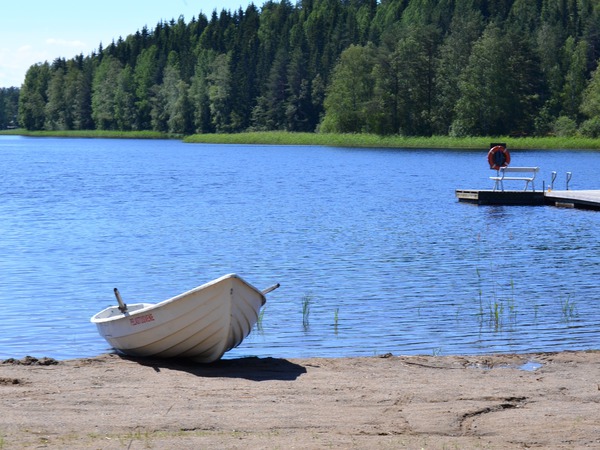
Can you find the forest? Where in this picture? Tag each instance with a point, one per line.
(389, 67)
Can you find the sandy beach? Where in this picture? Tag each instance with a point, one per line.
(549, 400)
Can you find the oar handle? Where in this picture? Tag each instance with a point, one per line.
(122, 306)
(270, 289)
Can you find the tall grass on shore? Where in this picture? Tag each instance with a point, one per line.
(333, 139)
(376, 141)
(104, 134)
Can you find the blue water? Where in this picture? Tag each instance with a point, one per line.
(374, 240)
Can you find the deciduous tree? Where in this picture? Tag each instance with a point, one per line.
(33, 97)
(104, 93)
(219, 93)
(349, 100)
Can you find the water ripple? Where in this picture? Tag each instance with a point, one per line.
(375, 238)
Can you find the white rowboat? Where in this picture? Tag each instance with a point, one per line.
(201, 324)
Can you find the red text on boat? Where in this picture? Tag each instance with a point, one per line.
(141, 319)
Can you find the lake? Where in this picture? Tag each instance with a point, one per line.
(372, 240)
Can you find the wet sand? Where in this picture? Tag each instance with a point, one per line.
(549, 400)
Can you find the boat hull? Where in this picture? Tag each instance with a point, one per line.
(201, 324)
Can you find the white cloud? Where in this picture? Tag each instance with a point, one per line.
(65, 43)
(15, 61)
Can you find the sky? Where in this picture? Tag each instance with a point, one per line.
(35, 31)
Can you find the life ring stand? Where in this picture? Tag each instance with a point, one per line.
(498, 157)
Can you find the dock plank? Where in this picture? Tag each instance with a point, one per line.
(592, 196)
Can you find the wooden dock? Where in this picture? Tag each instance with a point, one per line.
(574, 199)
(589, 199)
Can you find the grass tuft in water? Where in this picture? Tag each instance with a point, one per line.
(499, 311)
(480, 290)
(496, 315)
(335, 320)
(569, 310)
(306, 303)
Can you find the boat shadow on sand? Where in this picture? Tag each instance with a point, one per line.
(250, 368)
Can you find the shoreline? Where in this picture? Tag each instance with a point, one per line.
(359, 140)
(483, 401)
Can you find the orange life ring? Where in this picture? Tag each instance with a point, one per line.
(498, 156)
